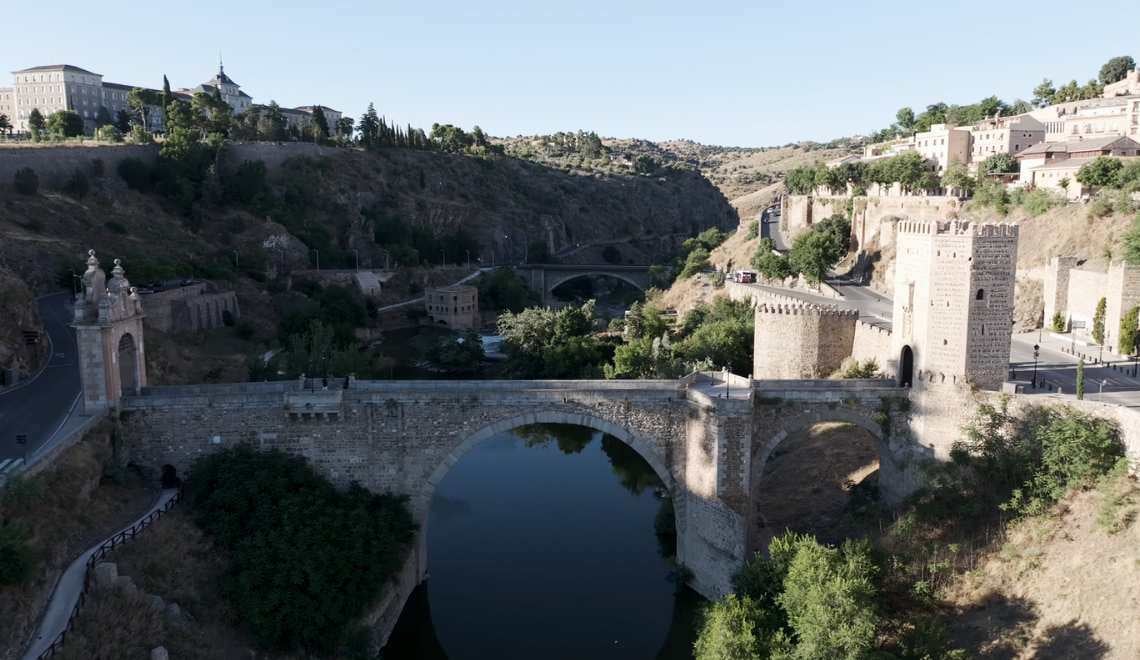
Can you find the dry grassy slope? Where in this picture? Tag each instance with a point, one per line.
(735, 252)
(1061, 587)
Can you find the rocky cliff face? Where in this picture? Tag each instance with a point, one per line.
(20, 315)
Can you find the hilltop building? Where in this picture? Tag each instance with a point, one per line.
(58, 87)
(1054, 165)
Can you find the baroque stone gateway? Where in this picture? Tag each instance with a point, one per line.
(708, 436)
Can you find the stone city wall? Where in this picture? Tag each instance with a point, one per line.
(1056, 285)
(873, 342)
(869, 215)
(1086, 288)
(54, 165)
(801, 341)
(1123, 293)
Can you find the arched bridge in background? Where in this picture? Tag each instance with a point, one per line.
(544, 278)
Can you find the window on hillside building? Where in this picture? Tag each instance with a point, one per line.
(980, 295)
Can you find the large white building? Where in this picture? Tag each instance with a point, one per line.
(58, 87)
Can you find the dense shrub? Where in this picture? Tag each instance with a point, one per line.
(1127, 342)
(15, 556)
(26, 182)
(753, 230)
(77, 185)
(502, 289)
(305, 558)
(135, 174)
(247, 183)
(116, 227)
(696, 262)
(611, 255)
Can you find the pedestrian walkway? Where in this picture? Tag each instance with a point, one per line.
(9, 466)
(57, 614)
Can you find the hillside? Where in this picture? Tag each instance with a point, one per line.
(18, 309)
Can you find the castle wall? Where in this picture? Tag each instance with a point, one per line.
(870, 214)
(54, 165)
(801, 341)
(874, 342)
(1122, 294)
(1056, 287)
(189, 308)
(1086, 288)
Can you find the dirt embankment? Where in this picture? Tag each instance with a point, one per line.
(1062, 586)
(22, 346)
(78, 501)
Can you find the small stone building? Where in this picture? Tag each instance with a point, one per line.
(456, 306)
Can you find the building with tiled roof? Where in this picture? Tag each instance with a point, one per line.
(1054, 165)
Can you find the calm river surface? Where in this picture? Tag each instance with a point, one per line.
(542, 543)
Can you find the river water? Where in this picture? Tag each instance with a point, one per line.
(551, 541)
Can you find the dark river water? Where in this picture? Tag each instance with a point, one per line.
(551, 541)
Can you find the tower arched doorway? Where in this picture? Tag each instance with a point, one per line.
(906, 367)
(128, 364)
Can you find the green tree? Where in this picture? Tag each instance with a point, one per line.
(769, 263)
(549, 343)
(958, 178)
(103, 117)
(1131, 240)
(1044, 93)
(123, 122)
(1127, 342)
(5, 124)
(696, 262)
(344, 128)
(999, 164)
(1101, 172)
(141, 101)
(1081, 379)
(1098, 321)
(272, 127)
(1116, 68)
(369, 129)
(331, 549)
(320, 127)
(65, 124)
(729, 631)
(1059, 324)
(905, 119)
(829, 597)
(36, 123)
(812, 254)
(800, 180)
(166, 98)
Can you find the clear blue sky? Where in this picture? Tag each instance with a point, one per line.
(734, 73)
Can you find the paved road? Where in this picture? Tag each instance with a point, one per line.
(869, 303)
(1060, 369)
(70, 584)
(770, 227)
(38, 407)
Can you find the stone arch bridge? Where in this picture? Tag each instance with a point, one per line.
(702, 438)
(544, 278)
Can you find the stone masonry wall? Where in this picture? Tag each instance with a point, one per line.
(990, 305)
(1057, 286)
(54, 165)
(1123, 294)
(1086, 288)
(873, 342)
(801, 341)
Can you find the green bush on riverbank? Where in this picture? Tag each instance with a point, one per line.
(306, 559)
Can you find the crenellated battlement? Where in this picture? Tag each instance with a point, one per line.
(957, 228)
(806, 309)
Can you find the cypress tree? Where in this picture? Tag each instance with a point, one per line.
(1081, 379)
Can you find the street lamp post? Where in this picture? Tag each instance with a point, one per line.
(1036, 353)
(1135, 354)
(356, 255)
(236, 267)
(318, 258)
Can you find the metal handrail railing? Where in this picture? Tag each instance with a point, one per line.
(102, 551)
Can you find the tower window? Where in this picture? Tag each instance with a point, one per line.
(980, 295)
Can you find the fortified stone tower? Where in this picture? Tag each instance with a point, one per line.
(109, 333)
(953, 306)
(794, 341)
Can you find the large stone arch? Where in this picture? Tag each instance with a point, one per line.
(764, 445)
(421, 503)
(645, 448)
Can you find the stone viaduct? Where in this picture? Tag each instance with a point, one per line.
(544, 278)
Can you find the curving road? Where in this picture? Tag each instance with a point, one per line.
(39, 406)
